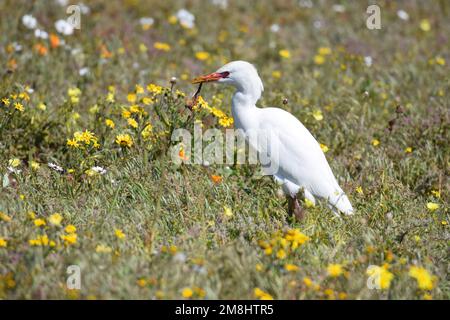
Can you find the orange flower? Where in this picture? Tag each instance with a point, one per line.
(104, 52)
(12, 64)
(216, 179)
(41, 49)
(54, 40)
(182, 155)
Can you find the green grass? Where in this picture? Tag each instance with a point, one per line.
(176, 233)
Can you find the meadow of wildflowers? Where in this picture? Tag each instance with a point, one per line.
(87, 176)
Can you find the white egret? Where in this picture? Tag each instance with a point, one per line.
(300, 163)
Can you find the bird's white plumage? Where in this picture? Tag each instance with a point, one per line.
(300, 162)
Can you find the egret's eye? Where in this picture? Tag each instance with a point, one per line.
(225, 74)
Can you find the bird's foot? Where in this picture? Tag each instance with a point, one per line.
(295, 209)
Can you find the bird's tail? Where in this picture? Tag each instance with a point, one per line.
(340, 202)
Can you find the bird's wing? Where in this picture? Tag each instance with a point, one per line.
(300, 158)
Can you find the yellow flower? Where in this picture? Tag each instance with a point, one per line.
(408, 150)
(432, 206)
(259, 267)
(291, 267)
(281, 254)
(425, 281)
(147, 101)
(286, 54)
(324, 51)
(110, 123)
(427, 296)
(6, 101)
(141, 282)
(154, 88)
(18, 106)
(39, 222)
(124, 140)
(74, 92)
(35, 165)
(359, 190)
(173, 20)
(199, 292)
(342, 295)
(72, 143)
(317, 114)
(307, 282)
(262, 295)
(187, 293)
(276, 74)
(41, 106)
(444, 223)
(131, 97)
(142, 47)
(436, 193)
(440, 60)
(3, 243)
(4, 217)
(309, 203)
(375, 142)
(296, 238)
(162, 46)
(70, 228)
(227, 211)
(335, 270)
(55, 219)
(119, 234)
(324, 147)
(226, 121)
(133, 123)
(69, 239)
(110, 97)
(139, 89)
(147, 132)
(14, 162)
(319, 59)
(103, 249)
(202, 55)
(382, 275)
(425, 25)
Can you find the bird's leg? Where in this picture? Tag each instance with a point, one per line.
(295, 209)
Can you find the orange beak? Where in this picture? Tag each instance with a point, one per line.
(208, 78)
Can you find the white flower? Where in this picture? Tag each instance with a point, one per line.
(305, 3)
(55, 167)
(62, 3)
(368, 61)
(146, 21)
(338, 8)
(84, 71)
(98, 170)
(29, 21)
(186, 18)
(84, 8)
(275, 28)
(179, 257)
(403, 15)
(317, 24)
(17, 47)
(38, 33)
(223, 4)
(14, 170)
(63, 27)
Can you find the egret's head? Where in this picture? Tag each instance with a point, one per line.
(240, 74)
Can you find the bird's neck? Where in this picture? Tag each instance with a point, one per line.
(243, 109)
(248, 92)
